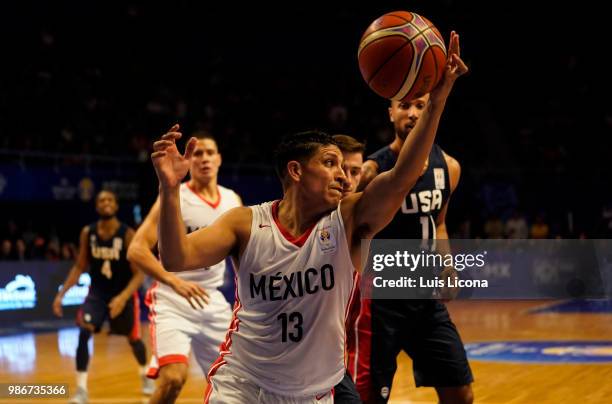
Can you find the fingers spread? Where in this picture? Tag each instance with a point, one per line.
(173, 136)
(190, 303)
(157, 154)
(191, 145)
(162, 144)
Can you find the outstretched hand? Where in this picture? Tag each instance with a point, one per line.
(170, 165)
(454, 68)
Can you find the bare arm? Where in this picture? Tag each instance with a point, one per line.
(443, 246)
(369, 171)
(376, 206)
(142, 257)
(205, 247)
(77, 269)
(137, 276)
(454, 173)
(117, 303)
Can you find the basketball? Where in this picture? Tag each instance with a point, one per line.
(402, 56)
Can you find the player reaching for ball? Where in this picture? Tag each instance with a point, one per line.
(422, 328)
(297, 257)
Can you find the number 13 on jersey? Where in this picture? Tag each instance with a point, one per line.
(292, 326)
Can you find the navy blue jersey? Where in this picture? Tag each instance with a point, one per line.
(108, 265)
(416, 219)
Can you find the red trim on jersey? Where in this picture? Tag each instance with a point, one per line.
(350, 317)
(213, 205)
(151, 301)
(362, 350)
(299, 240)
(135, 334)
(225, 346)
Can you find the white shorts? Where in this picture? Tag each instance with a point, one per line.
(177, 328)
(227, 388)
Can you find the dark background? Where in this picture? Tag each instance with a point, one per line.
(86, 86)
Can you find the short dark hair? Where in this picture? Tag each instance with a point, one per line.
(300, 147)
(349, 144)
(107, 190)
(202, 134)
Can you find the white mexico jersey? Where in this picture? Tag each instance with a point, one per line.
(197, 213)
(287, 334)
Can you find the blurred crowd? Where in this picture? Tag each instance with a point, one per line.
(106, 79)
(20, 244)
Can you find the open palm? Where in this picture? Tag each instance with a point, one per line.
(170, 165)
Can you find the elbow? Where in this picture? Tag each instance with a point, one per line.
(133, 253)
(169, 264)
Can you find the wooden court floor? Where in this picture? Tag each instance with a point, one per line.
(113, 378)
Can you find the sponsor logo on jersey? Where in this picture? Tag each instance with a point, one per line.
(542, 351)
(327, 243)
(439, 179)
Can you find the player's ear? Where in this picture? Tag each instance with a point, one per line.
(390, 109)
(294, 170)
(220, 159)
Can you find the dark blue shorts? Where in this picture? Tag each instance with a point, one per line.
(94, 311)
(345, 392)
(424, 330)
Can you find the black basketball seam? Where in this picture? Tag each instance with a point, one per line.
(406, 42)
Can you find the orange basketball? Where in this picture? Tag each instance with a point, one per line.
(402, 56)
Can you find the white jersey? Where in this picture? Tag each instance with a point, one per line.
(287, 334)
(197, 213)
(176, 328)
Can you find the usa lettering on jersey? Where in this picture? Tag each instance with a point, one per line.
(423, 202)
(106, 253)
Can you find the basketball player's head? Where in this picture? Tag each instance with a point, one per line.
(404, 115)
(312, 162)
(352, 151)
(206, 159)
(106, 204)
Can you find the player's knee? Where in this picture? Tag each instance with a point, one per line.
(172, 378)
(86, 327)
(468, 395)
(460, 395)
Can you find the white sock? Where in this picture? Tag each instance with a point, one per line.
(82, 380)
(142, 370)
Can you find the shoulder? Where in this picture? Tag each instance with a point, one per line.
(238, 217)
(454, 169)
(383, 151)
(129, 231)
(348, 207)
(85, 230)
(230, 193)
